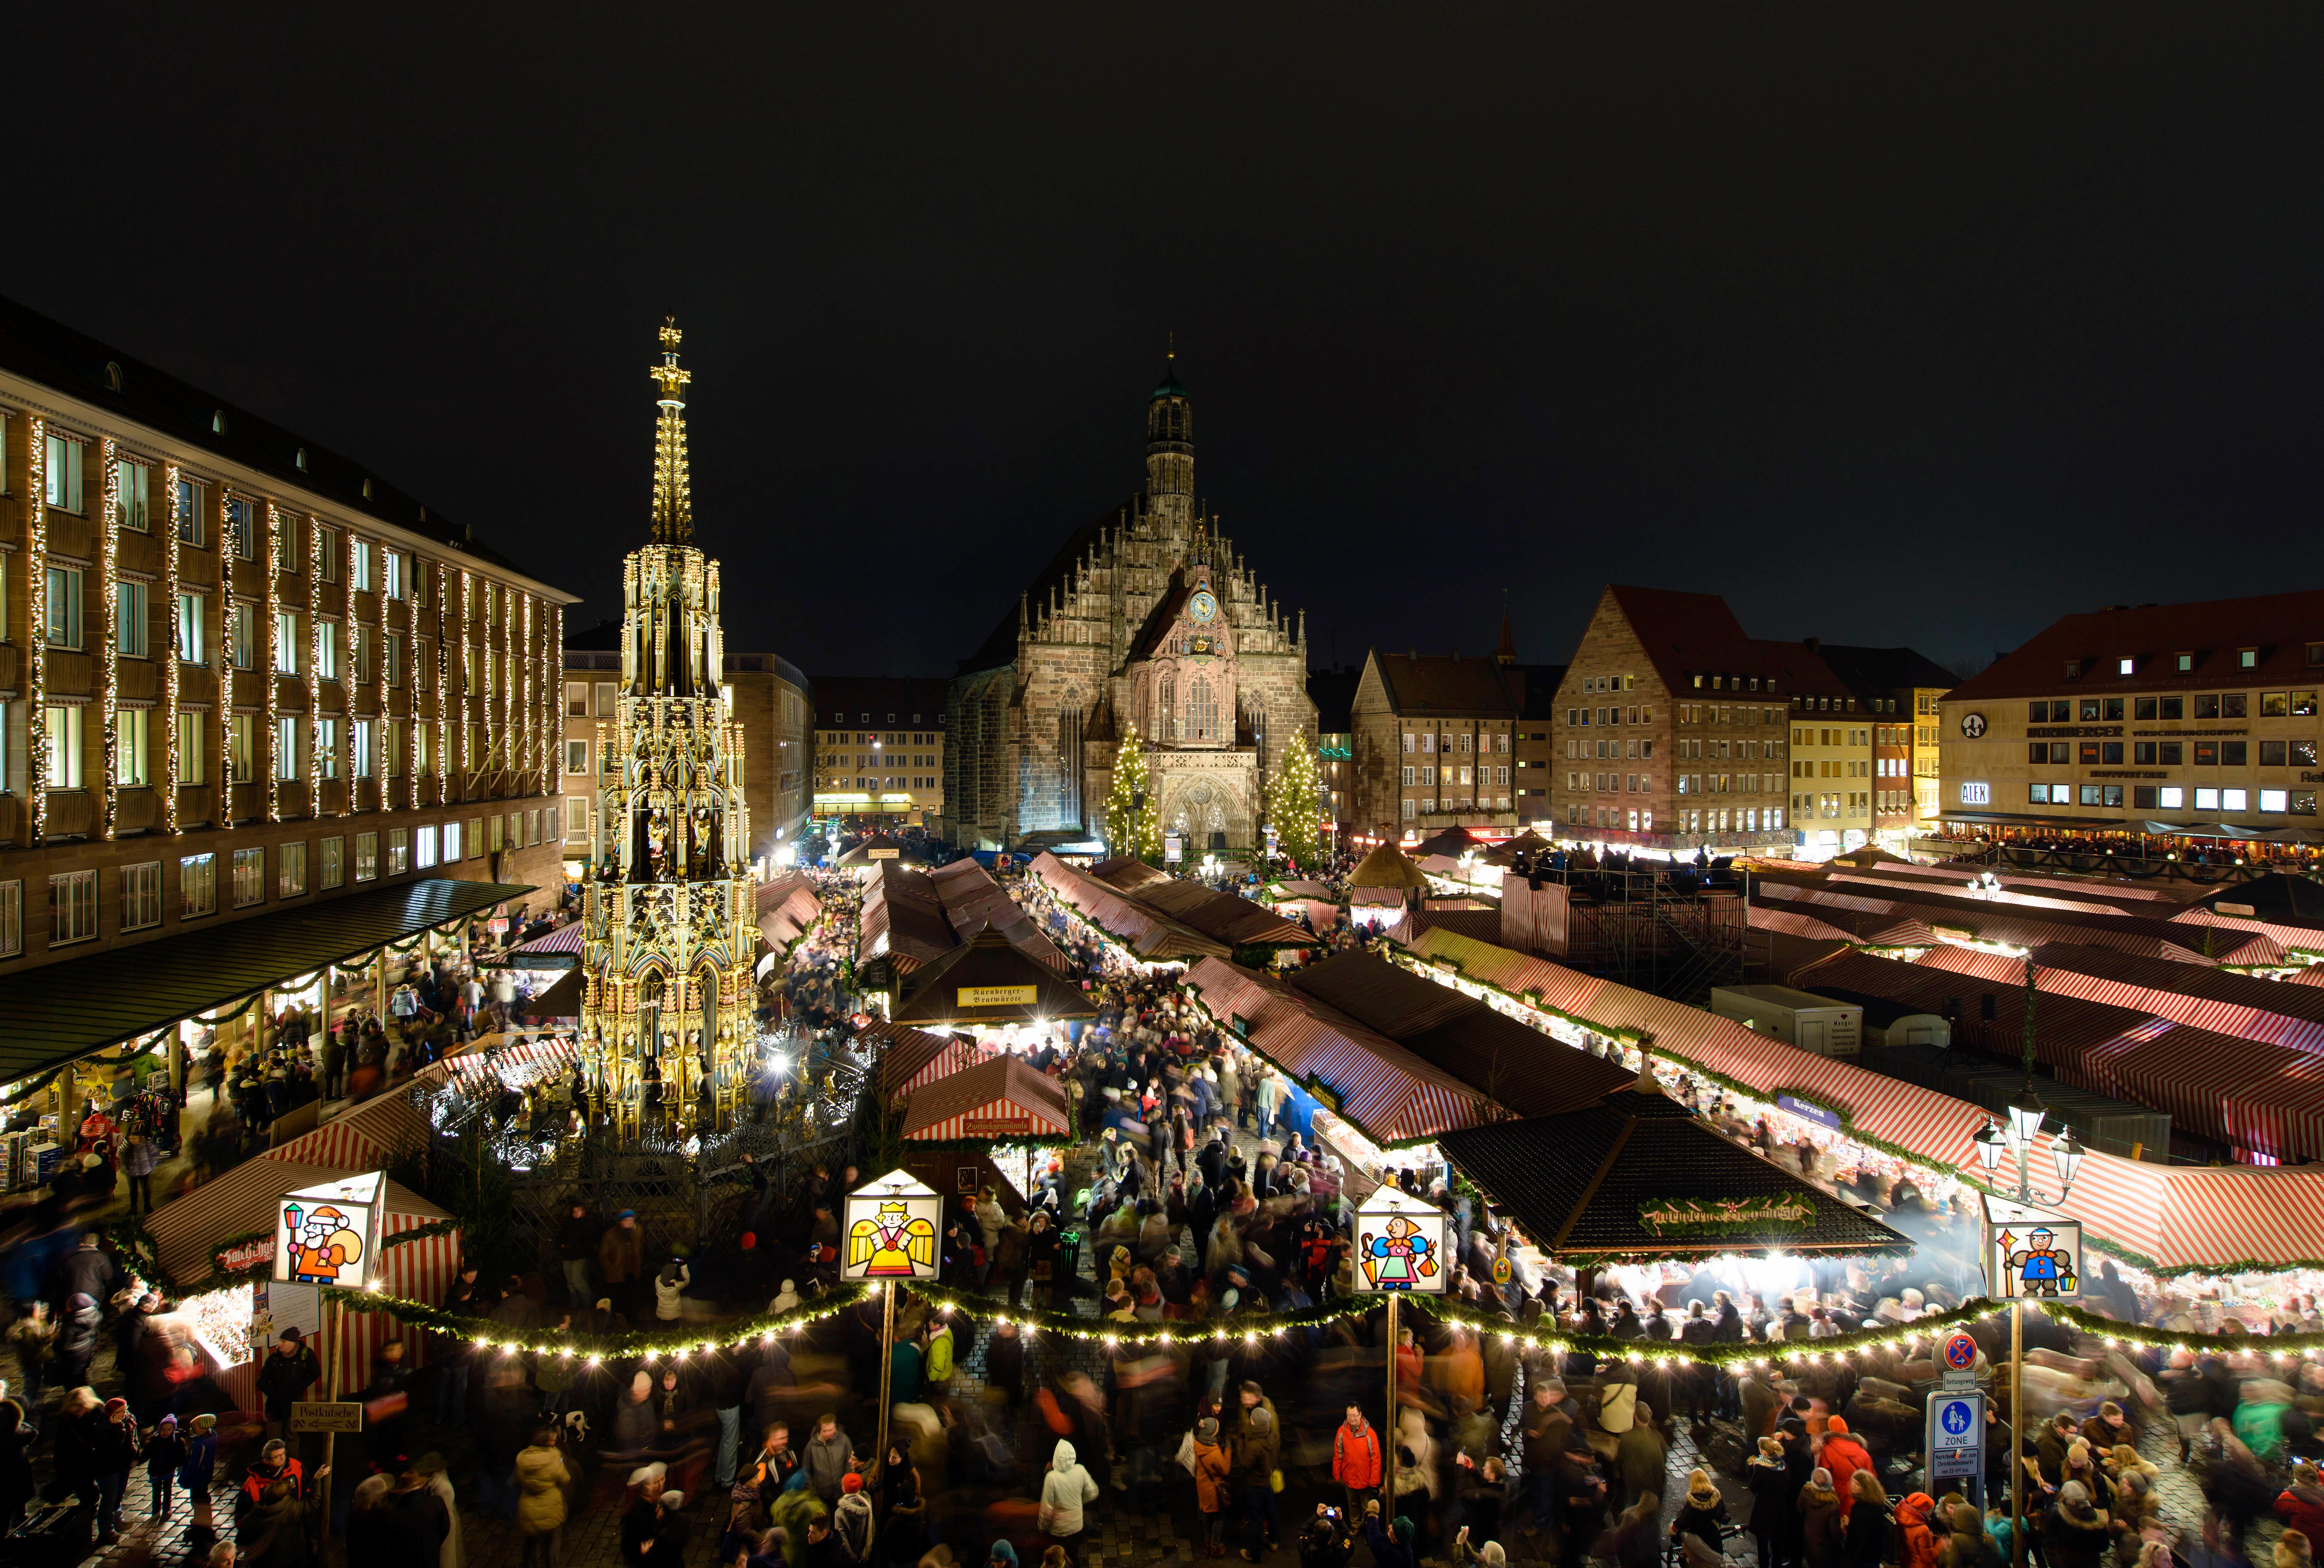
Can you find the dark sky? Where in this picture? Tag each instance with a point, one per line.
(1890, 330)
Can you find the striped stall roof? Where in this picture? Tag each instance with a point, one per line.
(2180, 1218)
(2019, 927)
(902, 919)
(1870, 930)
(2090, 902)
(1006, 1089)
(912, 1058)
(1391, 1095)
(787, 907)
(2210, 999)
(363, 1139)
(973, 902)
(2287, 936)
(1957, 875)
(563, 942)
(1150, 933)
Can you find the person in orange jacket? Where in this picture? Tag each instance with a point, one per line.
(1356, 1461)
(1843, 1455)
(1913, 1517)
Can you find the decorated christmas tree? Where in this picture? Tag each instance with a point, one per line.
(1294, 802)
(1133, 828)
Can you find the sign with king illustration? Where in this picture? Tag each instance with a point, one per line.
(2031, 1254)
(329, 1233)
(890, 1226)
(1399, 1245)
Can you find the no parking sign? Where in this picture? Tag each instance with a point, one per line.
(1956, 1359)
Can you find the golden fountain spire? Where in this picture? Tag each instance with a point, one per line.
(673, 512)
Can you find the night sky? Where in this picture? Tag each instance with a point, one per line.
(1890, 332)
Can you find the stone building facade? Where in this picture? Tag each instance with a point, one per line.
(1148, 618)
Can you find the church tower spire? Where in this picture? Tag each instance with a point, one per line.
(673, 491)
(1170, 452)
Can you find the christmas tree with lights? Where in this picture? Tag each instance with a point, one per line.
(1293, 797)
(1133, 824)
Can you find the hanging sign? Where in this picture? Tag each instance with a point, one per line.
(2031, 1254)
(890, 1225)
(1718, 1216)
(329, 1234)
(1399, 1245)
(997, 995)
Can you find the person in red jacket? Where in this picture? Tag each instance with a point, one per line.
(1843, 1455)
(2300, 1506)
(1913, 1516)
(1356, 1461)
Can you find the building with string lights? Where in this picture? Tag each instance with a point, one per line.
(668, 936)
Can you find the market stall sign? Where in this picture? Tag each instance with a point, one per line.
(1807, 1110)
(326, 1415)
(244, 1255)
(883, 853)
(1714, 1216)
(999, 995)
(996, 1126)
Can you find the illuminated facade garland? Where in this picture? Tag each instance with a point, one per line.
(108, 567)
(170, 656)
(314, 666)
(269, 606)
(381, 730)
(411, 684)
(36, 612)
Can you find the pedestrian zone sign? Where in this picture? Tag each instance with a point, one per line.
(1956, 1437)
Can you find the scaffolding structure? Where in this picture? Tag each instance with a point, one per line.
(1673, 930)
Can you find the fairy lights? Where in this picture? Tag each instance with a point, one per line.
(271, 602)
(379, 752)
(411, 683)
(108, 567)
(170, 655)
(314, 666)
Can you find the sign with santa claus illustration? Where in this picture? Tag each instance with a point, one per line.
(329, 1233)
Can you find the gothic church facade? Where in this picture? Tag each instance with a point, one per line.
(1146, 618)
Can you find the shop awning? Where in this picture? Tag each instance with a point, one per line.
(1638, 1176)
(2028, 819)
(560, 949)
(63, 1011)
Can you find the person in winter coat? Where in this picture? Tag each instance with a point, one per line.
(1772, 1496)
(1644, 1457)
(850, 1522)
(576, 1243)
(1258, 1448)
(289, 1370)
(541, 1478)
(76, 1340)
(1843, 1455)
(1820, 1527)
(1701, 1519)
(1866, 1513)
(1918, 1522)
(622, 1261)
(1212, 1487)
(200, 1467)
(1968, 1546)
(826, 1460)
(164, 1454)
(1066, 1488)
(2300, 1505)
(636, 1425)
(2075, 1533)
(670, 1288)
(1357, 1462)
(276, 1533)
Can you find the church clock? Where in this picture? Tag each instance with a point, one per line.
(1202, 606)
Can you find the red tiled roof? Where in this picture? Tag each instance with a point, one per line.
(2279, 626)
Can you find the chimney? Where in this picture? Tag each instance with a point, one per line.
(1812, 644)
(1646, 1083)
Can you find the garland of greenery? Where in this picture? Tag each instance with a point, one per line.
(677, 1342)
(131, 1237)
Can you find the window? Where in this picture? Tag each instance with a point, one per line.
(387, 659)
(392, 572)
(63, 472)
(532, 825)
(249, 877)
(242, 750)
(2275, 705)
(2303, 753)
(327, 747)
(577, 700)
(452, 843)
(2142, 753)
(2234, 799)
(361, 640)
(286, 642)
(2089, 753)
(2303, 803)
(290, 870)
(191, 644)
(359, 564)
(2231, 706)
(197, 886)
(605, 690)
(2246, 659)
(2234, 754)
(2274, 800)
(287, 759)
(241, 528)
(2271, 753)
(64, 746)
(141, 895)
(2125, 666)
(359, 759)
(2111, 753)
(131, 762)
(2142, 707)
(130, 631)
(193, 759)
(326, 556)
(335, 864)
(2186, 662)
(576, 818)
(2174, 707)
(366, 856)
(189, 512)
(2038, 794)
(242, 635)
(64, 607)
(2207, 799)
(399, 851)
(577, 756)
(2171, 753)
(72, 908)
(326, 651)
(2171, 798)
(426, 855)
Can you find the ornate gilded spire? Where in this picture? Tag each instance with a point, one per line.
(673, 503)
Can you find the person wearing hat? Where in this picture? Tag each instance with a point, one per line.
(851, 1520)
(291, 1370)
(164, 1454)
(622, 1261)
(194, 1473)
(1258, 1450)
(542, 1478)
(1211, 1488)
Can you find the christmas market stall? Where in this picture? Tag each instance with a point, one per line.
(989, 988)
(215, 1246)
(993, 1125)
(1140, 937)
(1298, 896)
(1384, 885)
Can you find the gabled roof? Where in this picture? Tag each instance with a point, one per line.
(1444, 684)
(987, 960)
(1386, 867)
(1000, 648)
(1162, 617)
(1006, 1079)
(890, 700)
(2279, 628)
(1879, 672)
(1123, 872)
(1686, 635)
(1223, 916)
